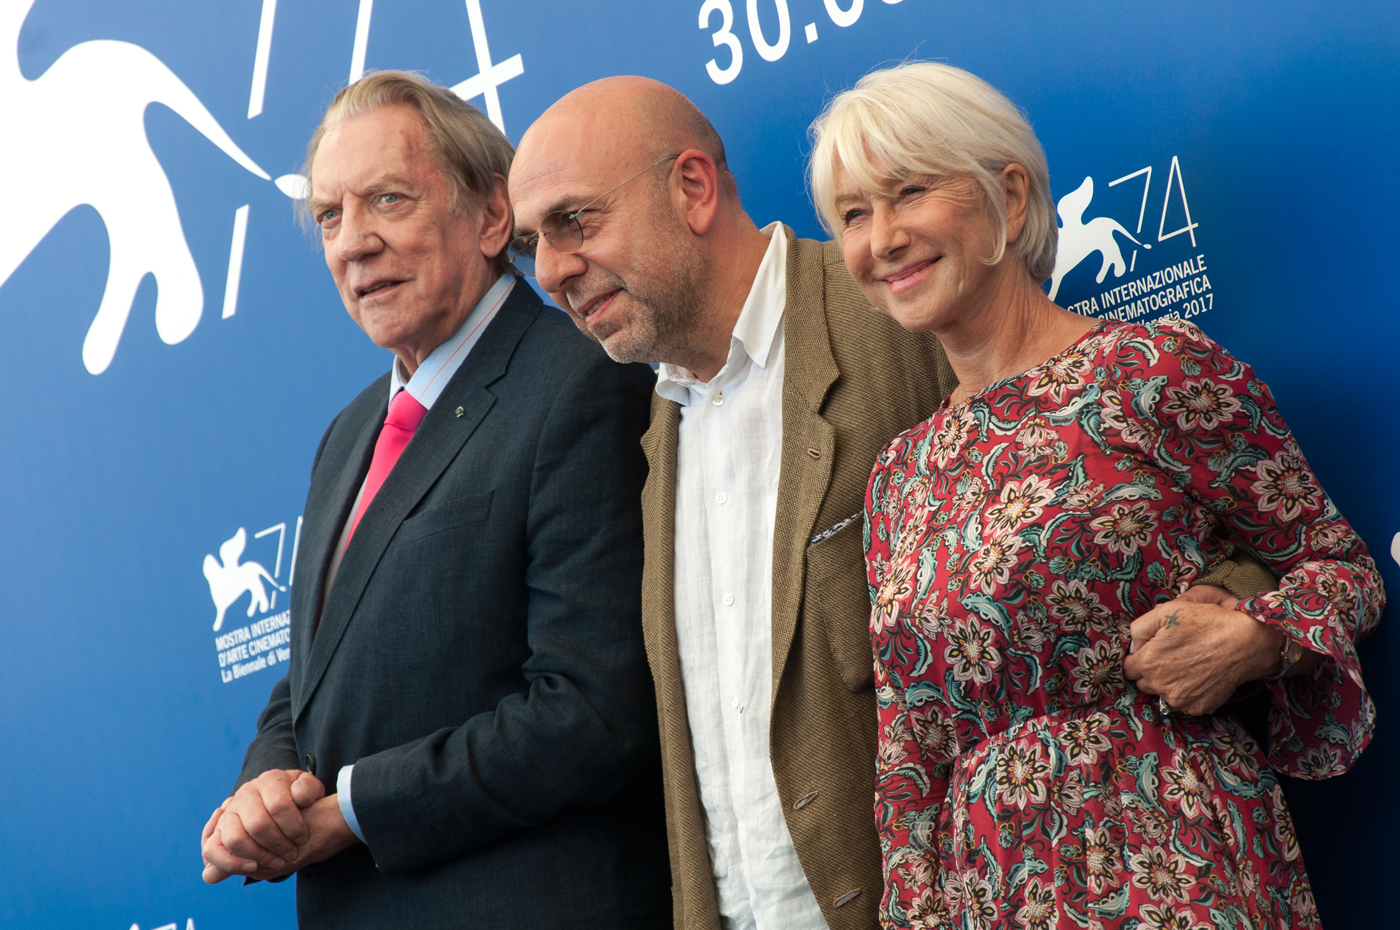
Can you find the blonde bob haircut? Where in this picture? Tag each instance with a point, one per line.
(922, 119)
(467, 147)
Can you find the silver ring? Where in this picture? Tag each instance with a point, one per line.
(1163, 706)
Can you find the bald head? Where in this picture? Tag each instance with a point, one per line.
(631, 118)
(640, 172)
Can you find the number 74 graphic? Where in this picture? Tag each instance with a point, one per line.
(1174, 174)
(1079, 239)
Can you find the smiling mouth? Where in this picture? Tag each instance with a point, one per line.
(907, 277)
(376, 288)
(594, 305)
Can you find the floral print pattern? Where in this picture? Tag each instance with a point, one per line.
(1010, 541)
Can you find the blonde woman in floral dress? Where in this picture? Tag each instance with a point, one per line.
(1049, 755)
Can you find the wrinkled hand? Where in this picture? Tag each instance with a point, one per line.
(261, 828)
(1194, 651)
(327, 834)
(212, 873)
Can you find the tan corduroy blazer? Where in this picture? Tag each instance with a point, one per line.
(854, 379)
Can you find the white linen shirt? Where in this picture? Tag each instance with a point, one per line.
(425, 386)
(731, 442)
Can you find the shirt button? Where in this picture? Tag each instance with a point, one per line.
(729, 600)
(734, 703)
(717, 400)
(721, 497)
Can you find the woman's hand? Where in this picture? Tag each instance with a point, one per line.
(1196, 650)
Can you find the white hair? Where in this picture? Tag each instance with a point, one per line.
(925, 119)
(472, 155)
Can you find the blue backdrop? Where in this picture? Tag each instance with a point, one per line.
(171, 345)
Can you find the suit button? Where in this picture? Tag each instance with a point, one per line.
(309, 764)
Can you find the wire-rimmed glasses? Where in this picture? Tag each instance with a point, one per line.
(562, 228)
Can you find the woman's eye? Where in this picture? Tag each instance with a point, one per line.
(851, 216)
(911, 190)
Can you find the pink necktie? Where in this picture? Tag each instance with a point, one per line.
(405, 413)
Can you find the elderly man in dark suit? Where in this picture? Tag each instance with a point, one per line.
(467, 671)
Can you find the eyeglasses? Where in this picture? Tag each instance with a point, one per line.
(562, 228)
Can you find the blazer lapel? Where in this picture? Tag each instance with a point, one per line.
(696, 904)
(809, 441)
(327, 508)
(434, 445)
(660, 443)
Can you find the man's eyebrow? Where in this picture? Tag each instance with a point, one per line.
(317, 204)
(567, 203)
(380, 185)
(390, 180)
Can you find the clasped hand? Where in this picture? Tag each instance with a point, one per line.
(1194, 651)
(279, 822)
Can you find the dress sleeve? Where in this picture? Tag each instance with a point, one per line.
(1203, 416)
(909, 787)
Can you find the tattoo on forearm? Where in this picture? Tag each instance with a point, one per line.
(1172, 619)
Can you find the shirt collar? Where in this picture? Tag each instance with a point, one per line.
(759, 323)
(433, 375)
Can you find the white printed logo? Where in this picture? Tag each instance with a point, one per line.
(74, 136)
(1173, 284)
(229, 579)
(265, 641)
(1079, 240)
(189, 925)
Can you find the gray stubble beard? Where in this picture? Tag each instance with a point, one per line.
(662, 322)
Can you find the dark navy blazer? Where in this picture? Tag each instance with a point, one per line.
(480, 657)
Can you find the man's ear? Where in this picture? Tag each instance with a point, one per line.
(496, 221)
(695, 190)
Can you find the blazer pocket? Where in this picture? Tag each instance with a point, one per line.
(838, 596)
(445, 516)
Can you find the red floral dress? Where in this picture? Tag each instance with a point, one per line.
(1011, 540)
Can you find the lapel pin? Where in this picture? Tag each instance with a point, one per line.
(461, 411)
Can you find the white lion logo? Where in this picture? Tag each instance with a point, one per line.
(1079, 240)
(229, 580)
(75, 135)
